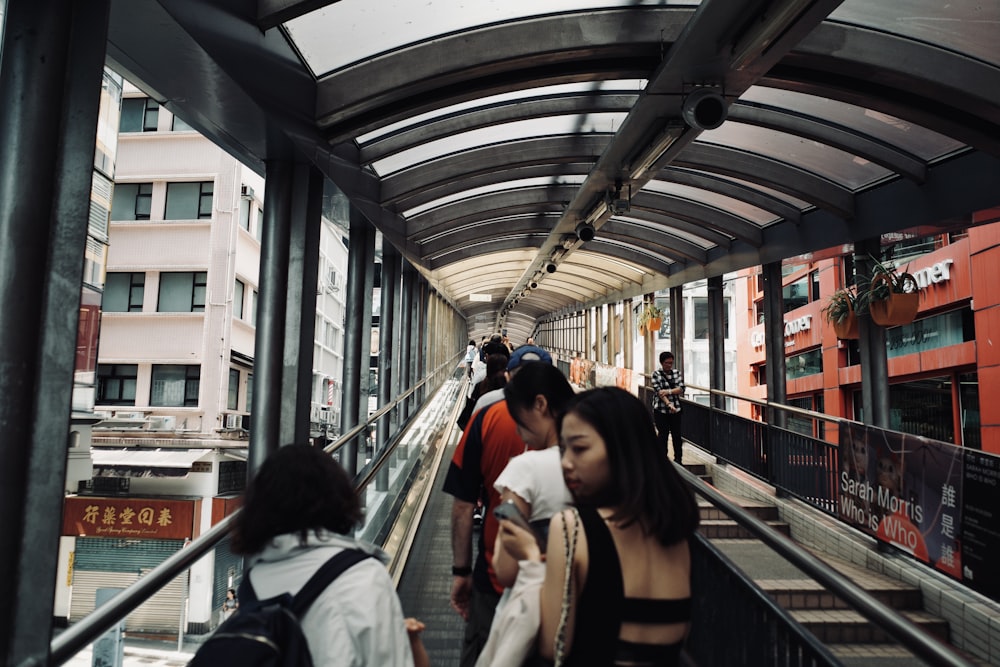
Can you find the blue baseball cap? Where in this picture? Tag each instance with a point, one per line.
(527, 353)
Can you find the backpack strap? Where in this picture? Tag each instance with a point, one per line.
(323, 577)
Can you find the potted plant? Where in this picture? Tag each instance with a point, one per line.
(892, 297)
(841, 312)
(650, 318)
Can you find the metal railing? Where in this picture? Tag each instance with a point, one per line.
(707, 611)
(87, 630)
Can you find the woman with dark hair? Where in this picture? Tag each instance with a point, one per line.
(631, 569)
(298, 512)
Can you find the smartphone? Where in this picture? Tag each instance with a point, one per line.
(508, 510)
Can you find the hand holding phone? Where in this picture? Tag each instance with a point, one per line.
(508, 510)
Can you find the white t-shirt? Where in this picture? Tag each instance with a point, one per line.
(536, 476)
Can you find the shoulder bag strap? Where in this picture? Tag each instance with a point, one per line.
(569, 542)
(323, 577)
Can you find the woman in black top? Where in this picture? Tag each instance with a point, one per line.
(631, 571)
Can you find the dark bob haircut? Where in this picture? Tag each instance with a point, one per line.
(646, 486)
(297, 489)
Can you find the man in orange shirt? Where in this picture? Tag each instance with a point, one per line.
(489, 441)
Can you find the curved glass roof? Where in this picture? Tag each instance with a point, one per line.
(477, 136)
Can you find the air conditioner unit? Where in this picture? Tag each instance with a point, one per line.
(246, 191)
(168, 423)
(232, 420)
(119, 414)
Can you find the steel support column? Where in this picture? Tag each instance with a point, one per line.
(874, 359)
(676, 307)
(387, 331)
(51, 66)
(392, 272)
(423, 343)
(717, 339)
(628, 326)
(359, 262)
(405, 337)
(774, 342)
(265, 417)
(300, 327)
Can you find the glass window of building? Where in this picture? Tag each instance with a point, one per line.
(189, 201)
(123, 292)
(132, 201)
(232, 401)
(238, 290)
(139, 114)
(116, 384)
(182, 292)
(806, 363)
(175, 386)
(249, 392)
(968, 406)
(802, 424)
(701, 318)
(179, 125)
(795, 294)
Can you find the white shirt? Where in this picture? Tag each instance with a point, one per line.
(358, 620)
(487, 399)
(536, 476)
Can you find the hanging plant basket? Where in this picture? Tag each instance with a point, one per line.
(847, 329)
(898, 307)
(840, 311)
(654, 325)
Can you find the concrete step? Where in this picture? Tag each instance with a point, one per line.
(810, 594)
(883, 655)
(845, 626)
(760, 510)
(727, 529)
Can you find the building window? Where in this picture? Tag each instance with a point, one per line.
(132, 201)
(701, 317)
(249, 392)
(175, 386)
(245, 213)
(806, 363)
(139, 114)
(238, 290)
(795, 294)
(189, 201)
(116, 384)
(123, 293)
(178, 125)
(234, 389)
(182, 292)
(253, 308)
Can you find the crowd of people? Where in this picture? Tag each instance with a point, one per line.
(588, 564)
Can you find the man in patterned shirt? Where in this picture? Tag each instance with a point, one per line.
(668, 386)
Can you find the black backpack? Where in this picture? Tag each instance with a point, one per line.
(267, 632)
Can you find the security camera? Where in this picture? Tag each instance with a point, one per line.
(585, 231)
(705, 109)
(534, 285)
(551, 268)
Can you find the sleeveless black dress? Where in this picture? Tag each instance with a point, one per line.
(602, 608)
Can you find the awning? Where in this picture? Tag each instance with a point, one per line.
(145, 463)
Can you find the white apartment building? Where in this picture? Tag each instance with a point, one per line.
(173, 384)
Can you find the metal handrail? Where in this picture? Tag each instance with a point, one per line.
(915, 639)
(91, 627)
(770, 404)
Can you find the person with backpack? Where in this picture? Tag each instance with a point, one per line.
(294, 530)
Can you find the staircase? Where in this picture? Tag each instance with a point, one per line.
(848, 634)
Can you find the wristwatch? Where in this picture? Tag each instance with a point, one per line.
(463, 571)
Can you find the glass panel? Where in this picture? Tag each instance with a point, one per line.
(795, 294)
(923, 407)
(328, 38)
(234, 389)
(175, 292)
(133, 111)
(534, 127)
(123, 201)
(806, 363)
(116, 293)
(656, 228)
(928, 333)
(888, 129)
(496, 187)
(168, 386)
(836, 165)
(963, 26)
(179, 125)
(634, 85)
(238, 300)
(968, 396)
(729, 204)
(700, 318)
(182, 201)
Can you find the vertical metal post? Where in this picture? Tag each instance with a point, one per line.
(359, 261)
(423, 346)
(628, 327)
(387, 330)
(300, 328)
(774, 342)
(677, 325)
(716, 339)
(874, 358)
(265, 418)
(406, 336)
(51, 66)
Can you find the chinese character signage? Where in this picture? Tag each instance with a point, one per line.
(135, 518)
(981, 523)
(904, 490)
